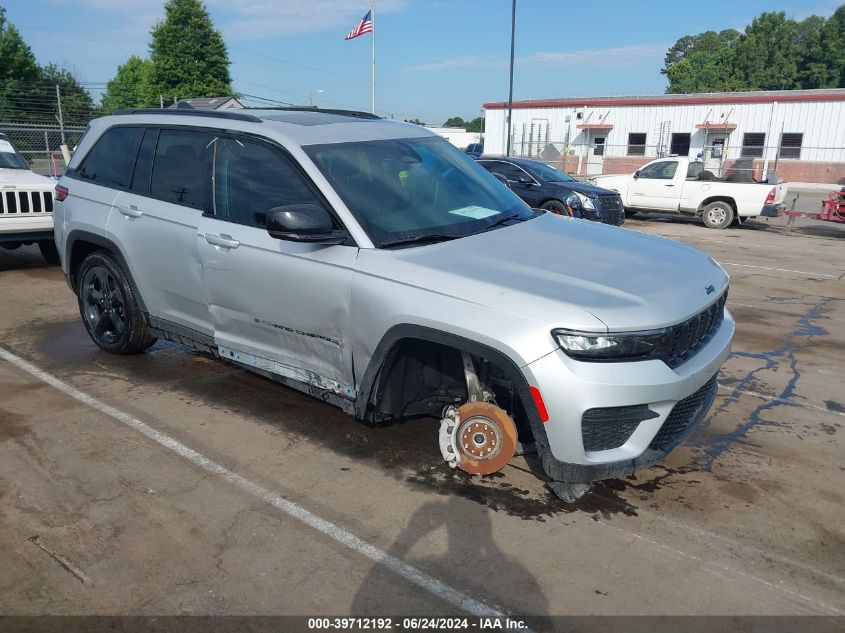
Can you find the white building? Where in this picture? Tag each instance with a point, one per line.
(797, 134)
(457, 136)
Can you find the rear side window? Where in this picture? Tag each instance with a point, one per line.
(251, 178)
(110, 161)
(508, 170)
(182, 162)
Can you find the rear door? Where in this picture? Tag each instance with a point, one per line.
(656, 187)
(155, 224)
(276, 305)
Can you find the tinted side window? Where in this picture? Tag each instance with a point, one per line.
(144, 163)
(180, 167)
(251, 178)
(110, 161)
(511, 172)
(664, 170)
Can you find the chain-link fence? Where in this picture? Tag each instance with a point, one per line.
(740, 164)
(41, 145)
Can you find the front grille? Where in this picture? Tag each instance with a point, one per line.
(611, 202)
(26, 202)
(685, 339)
(610, 208)
(684, 417)
(610, 427)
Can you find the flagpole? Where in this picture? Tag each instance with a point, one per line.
(373, 18)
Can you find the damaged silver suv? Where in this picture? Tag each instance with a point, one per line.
(372, 265)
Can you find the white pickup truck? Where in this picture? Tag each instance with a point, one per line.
(26, 204)
(679, 185)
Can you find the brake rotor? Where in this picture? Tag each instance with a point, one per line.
(485, 438)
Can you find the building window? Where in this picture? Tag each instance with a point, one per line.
(790, 145)
(680, 144)
(636, 144)
(753, 144)
(598, 147)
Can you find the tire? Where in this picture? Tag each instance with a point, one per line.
(555, 206)
(718, 215)
(49, 252)
(109, 307)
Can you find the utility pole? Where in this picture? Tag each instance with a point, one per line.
(61, 118)
(510, 88)
(373, 18)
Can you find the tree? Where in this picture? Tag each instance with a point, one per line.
(77, 105)
(415, 121)
(188, 55)
(701, 63)
(766, 56)
(455, 121)
(18, 71)
(772, 53)
(476, 125)
(130, 87)
(833, 49)
(813, 70)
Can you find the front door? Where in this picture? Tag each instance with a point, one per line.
(655, 187)
(279, 306)
(595, 155)
(714, 153)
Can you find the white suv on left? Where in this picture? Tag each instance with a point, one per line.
(26, 204)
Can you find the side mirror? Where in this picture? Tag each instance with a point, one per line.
(525, 180)
(502, 180)
(302, 223)
(636, 174)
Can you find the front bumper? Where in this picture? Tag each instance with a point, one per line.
(570, 388)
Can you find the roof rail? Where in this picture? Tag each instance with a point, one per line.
(218, 114)
(358, 114)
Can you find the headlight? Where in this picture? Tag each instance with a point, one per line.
(586, 202)
(619, 346)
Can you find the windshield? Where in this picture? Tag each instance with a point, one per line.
(541, 171)
(9, 158)
(405, 189)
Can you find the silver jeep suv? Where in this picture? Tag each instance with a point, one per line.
(372, 265)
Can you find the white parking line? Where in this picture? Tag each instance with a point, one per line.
(780, 270)
(410, 573)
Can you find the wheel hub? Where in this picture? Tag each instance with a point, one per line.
(478, 437)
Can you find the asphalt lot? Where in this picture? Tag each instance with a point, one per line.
(100, 516)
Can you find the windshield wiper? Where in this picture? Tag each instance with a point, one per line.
(428, 238)
(502, 220)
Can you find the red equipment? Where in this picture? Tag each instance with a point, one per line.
(833, 209)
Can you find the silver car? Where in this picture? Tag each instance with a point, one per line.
(372, 265)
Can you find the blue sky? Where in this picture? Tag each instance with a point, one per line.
(435, 58)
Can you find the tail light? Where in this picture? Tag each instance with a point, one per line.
(61, 193)
(769, 199)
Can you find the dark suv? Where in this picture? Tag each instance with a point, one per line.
(544, 187)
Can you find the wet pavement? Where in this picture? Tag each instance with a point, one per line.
(744, 518)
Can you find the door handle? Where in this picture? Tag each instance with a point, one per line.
(223, 241)
(669, 185)
(130, 210)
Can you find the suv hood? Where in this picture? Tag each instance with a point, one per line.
(23, 179)
(555, 270)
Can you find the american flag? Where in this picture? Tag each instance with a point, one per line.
(364, 26)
